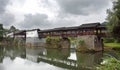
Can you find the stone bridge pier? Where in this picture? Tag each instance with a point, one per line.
(89, 43)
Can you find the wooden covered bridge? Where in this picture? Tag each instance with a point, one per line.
(84, 29)
(90, 33)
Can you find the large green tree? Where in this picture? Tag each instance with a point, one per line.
(12, 29)
(113, 20)
(1, 32)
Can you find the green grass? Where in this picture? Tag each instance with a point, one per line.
(109, 64)
(114, 45)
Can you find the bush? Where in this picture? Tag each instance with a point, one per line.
(53, 41)
(73, 40)
(108, 40)
(48, 40)
(109, 64)
(80, 42)
(82, 46)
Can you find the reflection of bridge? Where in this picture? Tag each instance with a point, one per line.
(60, 58)
(69, 64)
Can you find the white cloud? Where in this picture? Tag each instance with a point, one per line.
(34, 21)
(82, 7)
(7, 19)
(3, 4)
(59, 13)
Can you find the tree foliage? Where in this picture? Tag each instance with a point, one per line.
(54, 41)
(1, 32)
(109, 63)
(113, 20)
(7, 31)
(12, 29)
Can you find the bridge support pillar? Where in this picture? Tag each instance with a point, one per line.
(89, 43)
(35, 42)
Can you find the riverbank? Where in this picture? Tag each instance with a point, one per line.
(115, 46)
(109, 63)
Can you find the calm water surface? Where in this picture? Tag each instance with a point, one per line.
(20, 58)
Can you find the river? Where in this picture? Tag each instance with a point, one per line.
(21, 58)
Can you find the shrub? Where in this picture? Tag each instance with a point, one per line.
(73, 40)
(81, 42)
(48, 40)
(109, 64)
(108, 40)
(53, 41)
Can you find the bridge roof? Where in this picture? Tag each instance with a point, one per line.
(89, 25)
(32, 30)
(60, 29)
(103, 26)
(21, 32)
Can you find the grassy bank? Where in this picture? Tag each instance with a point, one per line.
(109, 64)
(113, 45)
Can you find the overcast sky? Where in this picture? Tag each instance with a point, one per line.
(43, 14)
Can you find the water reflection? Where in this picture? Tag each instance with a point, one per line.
(24, 64)
(89, 60)
(32, 54)
(73, 55)
(20, 58)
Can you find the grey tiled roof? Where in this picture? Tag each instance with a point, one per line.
(90, 25)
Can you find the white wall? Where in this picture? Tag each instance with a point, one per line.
(10, 35)
(32, 39)
(32, 33)
(19, 36)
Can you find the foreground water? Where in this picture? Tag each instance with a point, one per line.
(20, 58)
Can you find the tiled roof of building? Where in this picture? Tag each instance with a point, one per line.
(32, 30)
(90, 25)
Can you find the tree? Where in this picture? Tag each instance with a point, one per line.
(113, 20)
(13, 29)
(1, 32)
